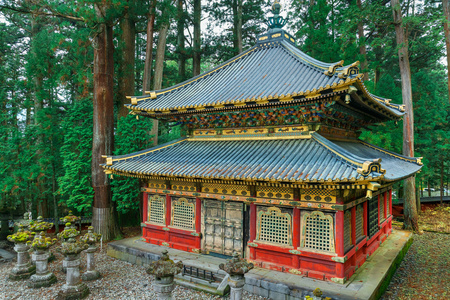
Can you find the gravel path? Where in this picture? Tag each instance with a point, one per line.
(120, 280)
(424, 273)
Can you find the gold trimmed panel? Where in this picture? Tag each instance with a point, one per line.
(318, 195)
(157, 184)
(274, 226)
(317, 231)
(183, 186)
(275, 192)
(227, 189)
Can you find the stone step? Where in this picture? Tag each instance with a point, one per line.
(217, 288)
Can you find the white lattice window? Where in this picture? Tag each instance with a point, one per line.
(347, 229)
(156, 210)
(274, 226)
(183, 213)
(317, 231)
(359, 222)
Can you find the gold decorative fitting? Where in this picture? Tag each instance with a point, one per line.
(371, 166)
(198, 251)
(332, 69)
(276, 35)
(295, 252)
(165, 244)
(109, 161)
(134, 101)
(296, 272)
(339, 280)
(166, 229)
(340, 259)
(351, 70)
(263, 38)
(252, 244)
(198, 234)
(419, 161)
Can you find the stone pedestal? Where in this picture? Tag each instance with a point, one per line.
(73, 288)
(23, 269)
(236, 283)
(163, 287)
(43, 277)
(91, 273)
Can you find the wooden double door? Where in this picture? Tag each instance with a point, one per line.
(224, 227)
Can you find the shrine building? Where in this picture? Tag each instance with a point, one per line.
(270, 164)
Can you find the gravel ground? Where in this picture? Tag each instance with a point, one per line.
(120, 280)
(424, 273)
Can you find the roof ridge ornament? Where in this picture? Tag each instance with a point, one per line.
(276, 21)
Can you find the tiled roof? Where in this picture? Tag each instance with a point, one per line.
(313, 159)
(272, 70)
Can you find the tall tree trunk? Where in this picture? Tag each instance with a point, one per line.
(148, 64)
(180, 41)
(127, 63)
(442, 182)
(447, 40)
(103, 220)
(362, 44)
(410, 209)
(197, 23)
(237, 28)
(149, 49)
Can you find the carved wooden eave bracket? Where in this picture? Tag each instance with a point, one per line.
(371, 166)
(372, 187)
(332, 69)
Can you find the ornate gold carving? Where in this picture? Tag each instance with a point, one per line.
(351, 70)
(226, 189)
(157, 184)
(318, 195)
(183, 186)
(332, 69)
(263, 38)
(371, 166)
(275, 192)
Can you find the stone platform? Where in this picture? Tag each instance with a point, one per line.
(369, 282)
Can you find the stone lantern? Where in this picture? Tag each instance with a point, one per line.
(236, 267)
(70, 218)
(164, 270)
(91, 238)
(73, 288)
(40, 226)
(43, 277)
(23, 268)
(68, 233)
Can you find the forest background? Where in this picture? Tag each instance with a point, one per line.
(50, 50)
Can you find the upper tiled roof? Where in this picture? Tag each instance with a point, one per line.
(310, 159)
(270, 70)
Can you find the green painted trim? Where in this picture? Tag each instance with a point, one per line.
(196, 234)
(143, 225)
(295, 252)
(252, 244)
(340, 259)
(166, 229)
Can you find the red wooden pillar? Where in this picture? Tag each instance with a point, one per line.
(198, 220)
(353, 225)
(168, 216)
(252, 228)
(296, 236)
(144, 205)
(339, 233)
(365, 219)
(339, 230)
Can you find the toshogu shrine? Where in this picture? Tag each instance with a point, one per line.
(270, 164)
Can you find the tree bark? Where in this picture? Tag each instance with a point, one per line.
(362, 44)
(447, 41)
(180, 41)
(237, 28)
(149, 50)
(442, 182)
(410, 209)
(197, 22)
(127, 63)
(103, 220)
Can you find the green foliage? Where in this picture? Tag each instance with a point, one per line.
(132, 135)
(75, 185)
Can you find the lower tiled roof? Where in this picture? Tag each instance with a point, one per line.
(313, 159)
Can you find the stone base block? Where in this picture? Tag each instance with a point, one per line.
(90, 275)
(22, 272)
(80, 291)
(38, 281)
